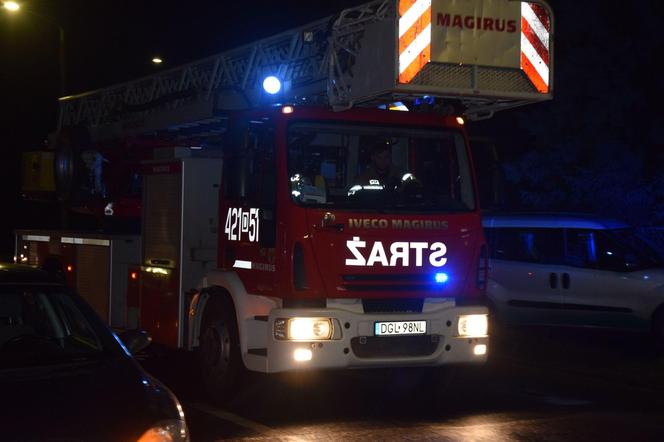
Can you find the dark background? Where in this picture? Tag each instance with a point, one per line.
(597, 147)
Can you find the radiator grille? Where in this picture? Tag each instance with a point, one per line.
(394, 346)
(392, 305)
(415, 283)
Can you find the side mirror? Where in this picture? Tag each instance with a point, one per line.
(135, 340)
(268, 235)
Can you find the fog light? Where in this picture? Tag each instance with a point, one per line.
(473, 326)
(302, 354)
(479, 350)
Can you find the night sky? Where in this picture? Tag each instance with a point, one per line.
(109, 42)
(608, 90)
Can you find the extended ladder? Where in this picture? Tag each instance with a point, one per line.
(349, 59)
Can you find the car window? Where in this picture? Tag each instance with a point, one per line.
(44, 326)
(536, 245)
(76, 325)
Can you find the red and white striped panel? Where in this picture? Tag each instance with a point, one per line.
(535, 31)
(414, 37)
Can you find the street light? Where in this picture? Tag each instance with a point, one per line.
(14, 7)
(11, 6)
(157, 60)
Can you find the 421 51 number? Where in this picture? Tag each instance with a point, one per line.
(242, 224)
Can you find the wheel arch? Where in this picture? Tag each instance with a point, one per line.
(226, 285)
(657, 313)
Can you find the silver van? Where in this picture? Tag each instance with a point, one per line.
(573, 270)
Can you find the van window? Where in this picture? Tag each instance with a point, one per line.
(580, 248)
(611, 250)
(526, 244)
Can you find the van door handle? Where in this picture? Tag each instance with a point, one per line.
(553, 280)
(566, 281)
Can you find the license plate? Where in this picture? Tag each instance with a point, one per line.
(400, 328)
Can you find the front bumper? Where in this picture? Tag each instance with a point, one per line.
(355, 346)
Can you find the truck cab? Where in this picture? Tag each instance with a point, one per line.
(325, 262)
(304, 219)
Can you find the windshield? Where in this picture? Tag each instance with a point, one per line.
(375, 167)
(42, 325)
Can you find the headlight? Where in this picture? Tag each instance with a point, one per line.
(174, 430)
(303, 329)
(473, 326)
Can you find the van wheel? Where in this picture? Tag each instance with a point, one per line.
(658, 327)
(219, 351)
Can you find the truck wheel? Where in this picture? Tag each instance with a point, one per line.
(219, 351)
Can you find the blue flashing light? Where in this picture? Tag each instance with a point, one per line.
(272, 85)
(441, 278)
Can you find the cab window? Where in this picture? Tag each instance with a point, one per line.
(249, 176)
(249, 164)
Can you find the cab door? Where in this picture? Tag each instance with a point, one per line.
(248, 205)
(523, 275)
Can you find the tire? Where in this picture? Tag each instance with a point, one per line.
(219, 355)
(658, 328)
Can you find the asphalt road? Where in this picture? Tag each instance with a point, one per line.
(547, 385)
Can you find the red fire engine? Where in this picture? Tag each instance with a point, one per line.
(292, 214)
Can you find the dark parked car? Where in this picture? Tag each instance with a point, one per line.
(64, 375)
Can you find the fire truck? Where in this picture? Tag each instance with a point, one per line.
(307, 201)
